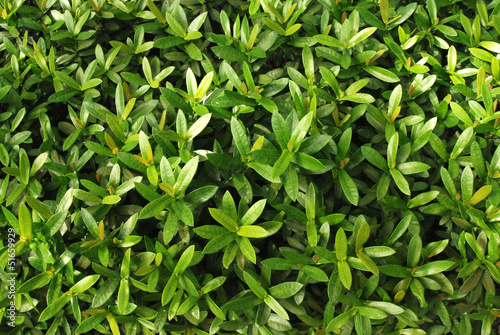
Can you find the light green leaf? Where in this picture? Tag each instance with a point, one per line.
(253, 213)
(252, 231)
(247, 249)
(392, 150)
(224, 219)
(433, 268)
(315, 273)
(360, 36)
(285, 290)
(340, 320)
(254, 285)
(175, 25)
(423, 199)
(412, 167)
(282, 163)
(184, 261)
(382, 74)
(240, 137)
(400, 181)
(348, 187)
(156, 206)
(374, 157)
(84, 284)
(276, 307)
(341, 245)
(186, 175)
(462, 142)
(461, 114)
(54, 307)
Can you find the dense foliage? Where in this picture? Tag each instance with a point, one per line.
(252, 167)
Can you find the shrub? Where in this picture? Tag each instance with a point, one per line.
(253, 167)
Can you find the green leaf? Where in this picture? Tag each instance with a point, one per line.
(40, 207)
(480, 194)
(111, 200)
(253, 213)
(360, 36)
(183, 212)
(52, 309)
(394, 100)
(282, 163)
(312, 233)
(184, 261)
(67, 80)
(362, 235)
(372, 313)
(387, 307)
(132, 162)
(344, 143)
(175, 100)
(25, 224)
(461, 114)
(310, 204)
(252, 231)
(279, 264)
(246, 249)
(467, 184)
(24, 167)
(433, 268)
(175, 25)
(462, 142)
(90, 222)
(38, 281)
(315, 273)
(412, 167)
(254, 285)
(285, 290)
(400, 181)
(274, 25)
(229, 54)
(156, 206)
(205, 84)
(84, 284)
(341, 245)
(374, 157)
(329, 41)
(340, 320)
(89, 324)
(280, 129)
(169, 290)
(348, 187)
(432, 9)
(240, 137)
(63, 95)
(297, 77)
(301, 130)
(394, 270)
(368, 263)
(471, 240)
(105, 292)
(392, 150)
(414, 252)
(378, 251)
(186, 176)
(276, 307)
(307, 162)
(382, 74)
(423, 199)
(219, 242)
(224, 219)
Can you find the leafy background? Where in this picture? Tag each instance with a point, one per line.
(253, 167)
